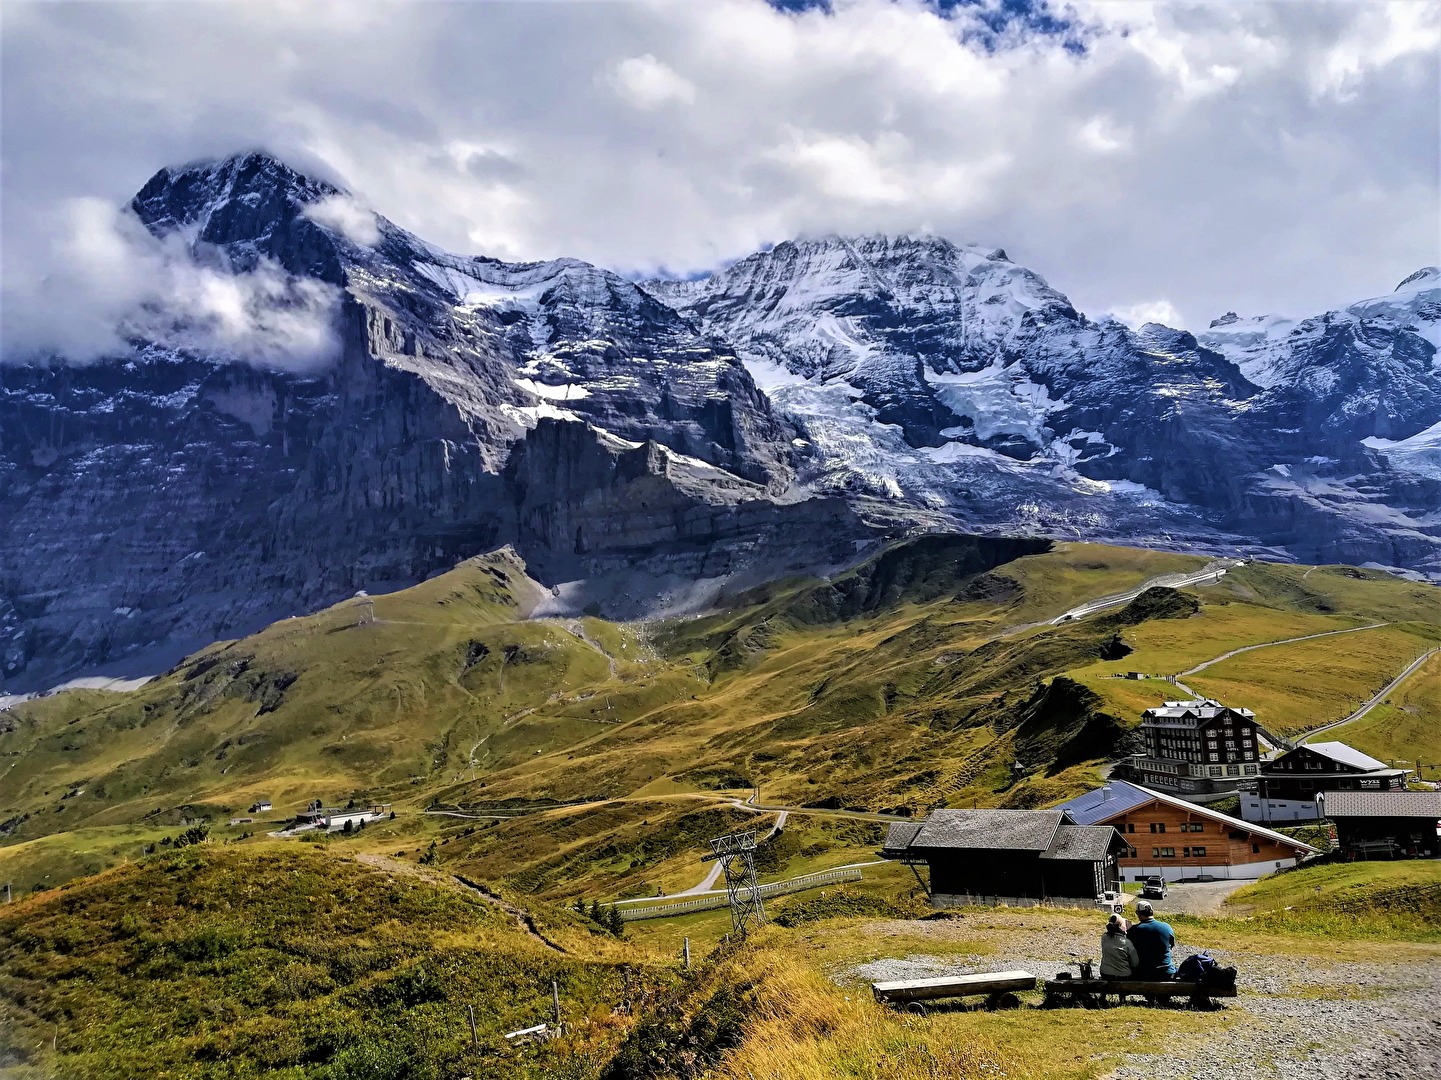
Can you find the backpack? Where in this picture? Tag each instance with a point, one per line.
(1196, 967)
(1220, 977)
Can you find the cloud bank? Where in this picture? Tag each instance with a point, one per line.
(1179, 158)
(105, 282)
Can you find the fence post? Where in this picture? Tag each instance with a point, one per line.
(474, 1036)
(685, 951)
(555, 995)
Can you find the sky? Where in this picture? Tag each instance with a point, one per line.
(1167, 161)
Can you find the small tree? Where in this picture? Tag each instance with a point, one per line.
(613, 922)
(349, 826)
(429, 856)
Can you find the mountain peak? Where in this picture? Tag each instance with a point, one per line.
(182, 196)
(1425, 278)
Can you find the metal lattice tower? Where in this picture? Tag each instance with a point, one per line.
(367, 608)
(737, 856)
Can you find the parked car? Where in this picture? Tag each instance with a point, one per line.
(1154, 888)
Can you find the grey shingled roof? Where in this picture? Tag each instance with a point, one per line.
(1346, 755)
(1382, 804)
(899, 837)
(1011, 830)
(1089, 843)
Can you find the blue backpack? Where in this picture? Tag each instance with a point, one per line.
(1196, 967)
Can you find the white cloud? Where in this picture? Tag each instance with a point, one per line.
(647, 83)
(1148, 311)
(1256, 157)
(348, 217)
(106, 281)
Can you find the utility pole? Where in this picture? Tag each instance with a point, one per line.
(736, 854)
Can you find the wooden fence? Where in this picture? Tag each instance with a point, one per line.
(720, 900)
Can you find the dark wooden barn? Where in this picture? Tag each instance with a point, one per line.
(1385, 824)
(990, 856)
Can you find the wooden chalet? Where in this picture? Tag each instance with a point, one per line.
(1007, 856)
(1177, 839)
(1385, 824)
(1288, 784)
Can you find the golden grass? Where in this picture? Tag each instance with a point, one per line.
(1406, 726)
(1306, 684)
(803, 1026)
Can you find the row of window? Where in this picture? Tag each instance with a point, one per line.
(1195, 852)
(1160, 826)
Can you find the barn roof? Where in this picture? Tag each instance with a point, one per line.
(1088, 843)
(1008, 830)
(899, 836)
(1381, 804)
(1346, 755)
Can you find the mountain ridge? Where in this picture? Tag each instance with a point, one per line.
(649, 445)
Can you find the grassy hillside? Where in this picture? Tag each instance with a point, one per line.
(1382, 899)
(285, 960)
(594, 758)
(294, 960)
(1406, 726)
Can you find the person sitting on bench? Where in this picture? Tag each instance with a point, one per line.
(1119, 958)
(1154, 941)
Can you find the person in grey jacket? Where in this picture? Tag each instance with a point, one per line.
(1119, 959)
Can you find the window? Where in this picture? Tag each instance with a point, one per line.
(1215, 769)
(1186, 853)
(1233, 770)
(1255, 849)
(1153, 826)
(1168, 853)
(1130, 826)
(1155, 853)
(1237, 835)
(1216, 757)
(1198, 852)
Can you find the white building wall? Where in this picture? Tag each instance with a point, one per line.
(1239, 872)
(1268, 811)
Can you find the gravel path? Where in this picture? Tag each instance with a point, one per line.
(1196, 897)
(1304, 1017)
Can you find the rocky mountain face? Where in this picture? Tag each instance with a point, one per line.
(947, 375)
(643, 446)
(159, 499)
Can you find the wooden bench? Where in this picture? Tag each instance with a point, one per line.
(998, 987)
(1092, 993)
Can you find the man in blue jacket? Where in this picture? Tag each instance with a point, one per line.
(1154, 941)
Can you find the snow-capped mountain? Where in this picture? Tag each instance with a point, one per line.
(643, 444)
(933, 371)
(166, 495)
